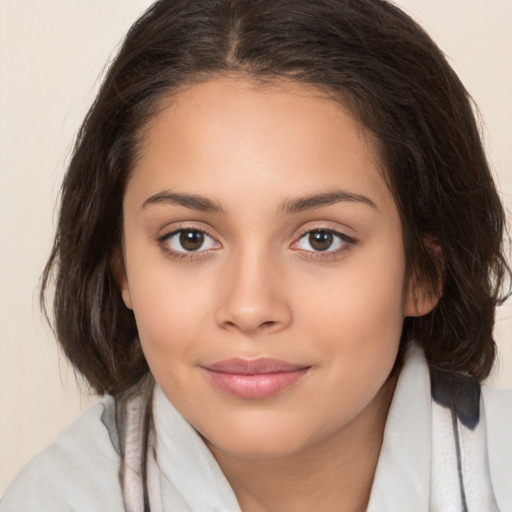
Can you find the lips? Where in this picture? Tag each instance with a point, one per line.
(254, 378)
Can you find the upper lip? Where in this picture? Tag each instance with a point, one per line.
(261, 365)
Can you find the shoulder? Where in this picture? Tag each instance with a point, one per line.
(497, 404)
(498, 418)
(79, 471)
(493, 396)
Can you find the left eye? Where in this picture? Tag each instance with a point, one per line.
(190, 240)
(321, 240)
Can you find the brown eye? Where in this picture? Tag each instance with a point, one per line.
(191, 240)
(320, 240)
(323, 240)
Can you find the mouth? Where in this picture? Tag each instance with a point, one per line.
(254, 378)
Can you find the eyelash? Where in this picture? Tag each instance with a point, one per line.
(164, 240)
(327, 255)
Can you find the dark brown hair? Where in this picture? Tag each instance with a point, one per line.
(374, 59)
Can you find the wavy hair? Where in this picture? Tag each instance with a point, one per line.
(369, 55)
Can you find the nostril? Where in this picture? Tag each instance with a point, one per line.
(253, 314)
(264, 326)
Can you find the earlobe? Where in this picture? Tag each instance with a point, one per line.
(125, 293)
(423, 294)
(118, 269)
(421, 299)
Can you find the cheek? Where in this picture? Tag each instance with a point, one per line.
(356, 324)
(356, 321)
(171, 307)
(361, 302)
(170, 317)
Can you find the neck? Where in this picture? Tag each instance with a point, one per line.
(335, 473)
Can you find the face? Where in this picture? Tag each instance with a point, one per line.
(264, 263)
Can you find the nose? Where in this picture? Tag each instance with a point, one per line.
(252, 299)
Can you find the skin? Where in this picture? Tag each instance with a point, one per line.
(258, 288)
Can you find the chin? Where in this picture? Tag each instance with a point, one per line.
(259, 449)
(254, 442)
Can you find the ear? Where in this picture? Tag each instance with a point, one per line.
(118, 268)
(422, 294)
(422, 297)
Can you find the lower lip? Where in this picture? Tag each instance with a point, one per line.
(255, 386)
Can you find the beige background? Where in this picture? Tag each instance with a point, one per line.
(51, 55)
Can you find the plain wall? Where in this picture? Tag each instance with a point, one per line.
(51, 55)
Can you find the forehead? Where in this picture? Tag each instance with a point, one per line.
(282, 137)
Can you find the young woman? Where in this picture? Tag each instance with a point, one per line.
(278, 258)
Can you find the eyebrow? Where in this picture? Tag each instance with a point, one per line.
(192, 201)
(320, 200)
(290, 206)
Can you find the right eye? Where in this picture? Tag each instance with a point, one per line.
(188, 241)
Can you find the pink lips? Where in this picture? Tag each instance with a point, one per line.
(254, 378)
